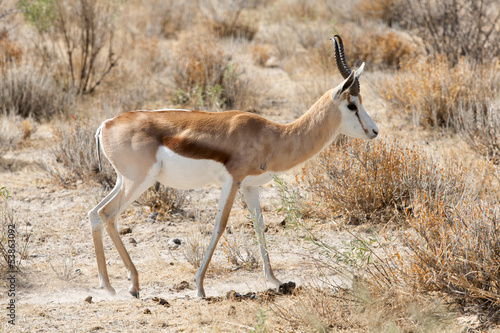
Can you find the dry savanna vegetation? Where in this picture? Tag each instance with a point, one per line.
(400, 234)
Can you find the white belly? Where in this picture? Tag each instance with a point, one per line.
(187, 173)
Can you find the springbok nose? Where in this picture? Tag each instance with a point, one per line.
(375, 132)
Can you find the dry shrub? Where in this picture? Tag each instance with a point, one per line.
(168, 18)
(75, 155)
(223, 17)
(199, 62)
(261, 53)
(377, 46)
(387, 11)
(29, 91)
(10, 51)
(306, 10)
(455, 249)
(435, 90)
(205, 75)
(163, 200)
(377, 181)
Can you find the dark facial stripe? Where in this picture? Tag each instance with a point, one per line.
(364, 129)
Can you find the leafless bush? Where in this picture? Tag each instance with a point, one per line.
(30, 91)
(457, 28)
(79, 31)
(481, 130)
(75, 155)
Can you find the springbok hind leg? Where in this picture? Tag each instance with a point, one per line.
(130, 190)
(251, 195)
(97, 226)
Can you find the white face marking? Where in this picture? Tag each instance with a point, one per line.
(356, 123)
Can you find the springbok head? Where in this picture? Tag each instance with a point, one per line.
(355, 121)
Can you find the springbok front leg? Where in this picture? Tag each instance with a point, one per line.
(251, 195)
(229, 190)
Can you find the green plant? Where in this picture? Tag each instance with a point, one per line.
(40, 13)
(260, 325)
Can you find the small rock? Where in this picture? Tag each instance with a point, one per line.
(88, 299)
(233, 296)
(146, 311)
(174, 243)
(151, 218)
(161, 301)
(125, 230)
(180, 286)
(132, 240)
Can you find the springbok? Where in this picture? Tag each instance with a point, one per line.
(190, 149)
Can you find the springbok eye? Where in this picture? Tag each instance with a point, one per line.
(352, 107)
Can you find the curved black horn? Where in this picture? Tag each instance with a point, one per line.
(345, 71)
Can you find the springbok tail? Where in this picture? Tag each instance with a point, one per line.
(98, 144)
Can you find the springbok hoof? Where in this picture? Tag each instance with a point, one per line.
(135, 294)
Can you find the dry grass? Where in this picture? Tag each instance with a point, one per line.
(455, 249)
(434, 90)
(481, 131)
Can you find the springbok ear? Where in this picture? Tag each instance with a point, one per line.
(360, 70)
(343, 86)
